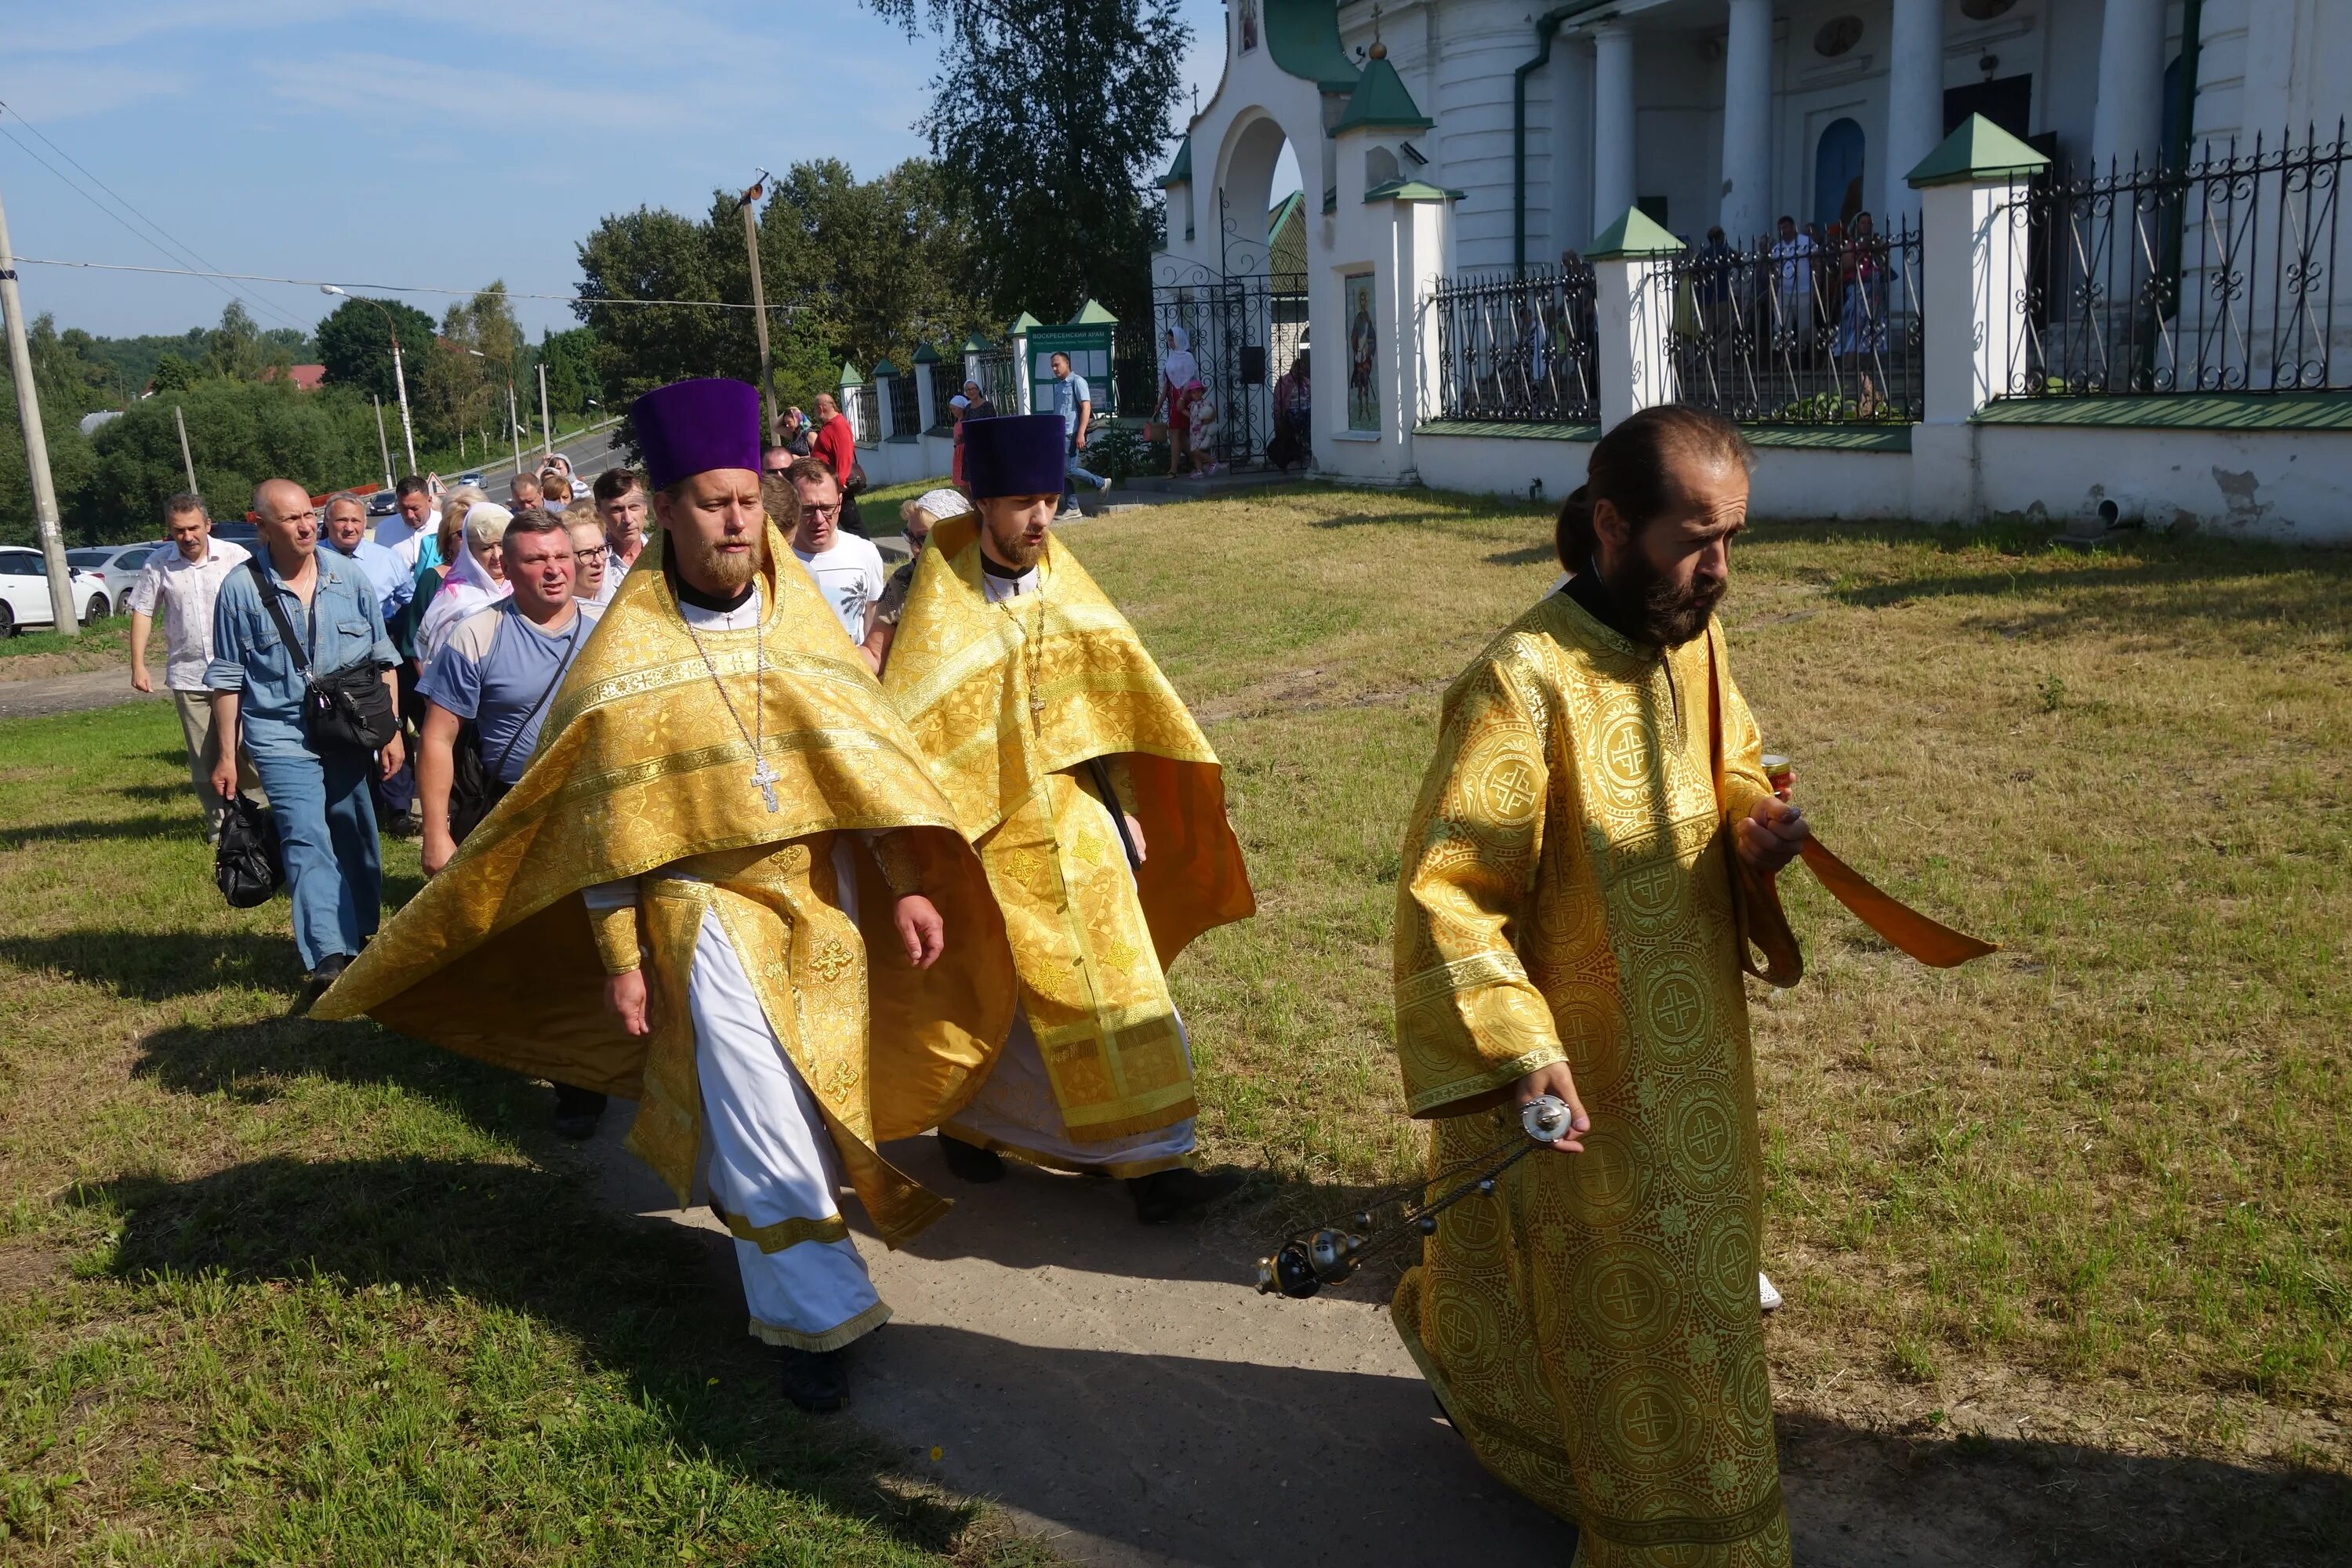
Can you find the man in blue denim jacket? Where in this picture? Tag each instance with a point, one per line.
(326, 820)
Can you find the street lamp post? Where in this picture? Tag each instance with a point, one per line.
(399, 375)
(514, 426)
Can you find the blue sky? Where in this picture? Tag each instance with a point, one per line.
(427, 142)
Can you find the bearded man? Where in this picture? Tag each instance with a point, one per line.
(1100, 812)
(724, 835)
(1590, 860)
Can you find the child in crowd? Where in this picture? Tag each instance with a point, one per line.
(1204, 428)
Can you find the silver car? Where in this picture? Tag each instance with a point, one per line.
(119, 564)
(25, 592)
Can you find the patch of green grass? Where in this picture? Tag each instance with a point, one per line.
(103, 641)
(273, 1290)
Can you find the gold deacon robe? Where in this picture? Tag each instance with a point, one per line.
(1569, 892)
(640, 767)
(1011, 702)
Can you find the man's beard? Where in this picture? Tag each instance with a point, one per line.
(1012, 546)
(1653, 609)
(716, 571)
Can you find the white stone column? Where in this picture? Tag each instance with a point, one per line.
(2127, 121)
(1915, 100)
(1974, 262)
(1572, 146)
(1636, 317)
(1747, 210)
(927, 394)
(1612, 122)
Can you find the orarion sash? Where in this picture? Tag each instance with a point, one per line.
(1927, 941)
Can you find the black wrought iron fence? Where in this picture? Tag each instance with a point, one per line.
(2218, 275)
(946, 382)
(1135, 379)
(1518, 349)
(1798, 332)
(865, 413)
(906, 408)
(998, 373)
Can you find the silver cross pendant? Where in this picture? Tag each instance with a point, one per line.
(765, 779)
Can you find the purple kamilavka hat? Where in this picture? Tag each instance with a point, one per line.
(689, 427)
(1015, 454)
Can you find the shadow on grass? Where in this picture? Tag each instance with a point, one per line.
(644, 1300)
(149, 825)
(155, 967)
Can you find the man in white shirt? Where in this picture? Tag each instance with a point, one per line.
(1793, 251)
(186, 577)
(848, 570)
(413, 531)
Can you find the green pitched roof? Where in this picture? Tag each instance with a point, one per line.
(1411, 191)
(1021, 325)
(1286, 234)
(925, 353)
(849, 376)
(1635, 234)
(883, 367)
(1180, 173)
(976, 344)
(1382, 100)
(1092, 314)
(1978, 150)
(1303, 36)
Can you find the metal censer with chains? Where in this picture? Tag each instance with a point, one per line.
(1306, 1260)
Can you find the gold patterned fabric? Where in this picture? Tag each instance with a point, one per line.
(1012, 702)
(640, 767)
(1569, 893)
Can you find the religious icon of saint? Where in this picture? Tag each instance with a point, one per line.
(1249, 24)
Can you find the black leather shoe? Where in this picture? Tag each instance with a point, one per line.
(816, 1380)
(577, 1111)
(970, 1163)
(330, 969)
(1181, 1193)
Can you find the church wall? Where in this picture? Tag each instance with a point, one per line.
(1679, 126)
(1478, 47)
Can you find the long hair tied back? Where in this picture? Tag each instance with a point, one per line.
(1633, 468)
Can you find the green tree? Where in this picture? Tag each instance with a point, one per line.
(357, 351)
(234, 351)
(173, 374)
(1049, 119)
(571, 361)
(240, 433)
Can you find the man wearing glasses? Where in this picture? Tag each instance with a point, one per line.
(847, 569)
(590, 583)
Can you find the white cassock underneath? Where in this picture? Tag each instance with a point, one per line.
(1015, 1112)
(769, 1163)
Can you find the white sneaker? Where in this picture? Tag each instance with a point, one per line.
(1766, 1296)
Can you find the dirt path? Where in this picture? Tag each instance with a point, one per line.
(1126, 1396)
(72, 693)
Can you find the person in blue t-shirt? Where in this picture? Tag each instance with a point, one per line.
(499, 671)
(1074, 400)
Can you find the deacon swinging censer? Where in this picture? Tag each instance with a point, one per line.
(1306, 1260)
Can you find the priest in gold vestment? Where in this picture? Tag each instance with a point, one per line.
(1588, 872)
(1098, 810)
(726, 888)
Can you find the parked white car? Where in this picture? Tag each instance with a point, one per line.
(119, 564)
(25, 592)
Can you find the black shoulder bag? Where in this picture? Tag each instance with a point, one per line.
(344, 710)
(475, 785)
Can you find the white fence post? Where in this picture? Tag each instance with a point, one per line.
(1635, 316)
(885, 377)
(1973, 261)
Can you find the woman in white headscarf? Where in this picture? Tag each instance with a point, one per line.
(476, 582)
(1180, 371)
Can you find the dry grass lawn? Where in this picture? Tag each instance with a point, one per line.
(324, 1295)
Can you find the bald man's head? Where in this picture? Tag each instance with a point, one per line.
(289, 523)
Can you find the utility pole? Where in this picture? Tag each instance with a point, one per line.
(185, 458)
(400, 382)
(37, 445)
(750, 205)
(514, 426)
(382, 444)
(546, 431)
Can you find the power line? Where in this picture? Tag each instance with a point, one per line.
(394, 288)
(169, 246)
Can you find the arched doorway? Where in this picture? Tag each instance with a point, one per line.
(1243, 308)
(1837, 173)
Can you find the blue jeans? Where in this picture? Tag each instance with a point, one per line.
(326, 829)
(1073, 468)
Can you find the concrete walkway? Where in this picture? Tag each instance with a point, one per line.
(1128, 1397)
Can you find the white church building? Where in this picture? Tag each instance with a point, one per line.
(2079, 289)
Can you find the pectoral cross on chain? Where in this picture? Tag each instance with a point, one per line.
(765, 779)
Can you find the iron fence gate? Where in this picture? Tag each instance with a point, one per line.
(1247, 330)
(2216, 276)
(1518, 349)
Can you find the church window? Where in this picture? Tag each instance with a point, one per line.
(1837, 36)
(1380, 167)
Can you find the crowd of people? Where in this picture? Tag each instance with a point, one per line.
(803, 858)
